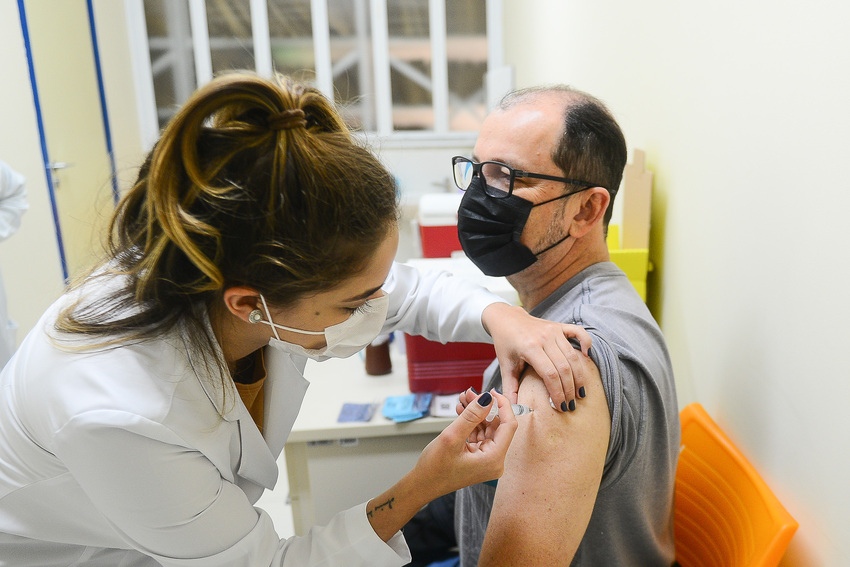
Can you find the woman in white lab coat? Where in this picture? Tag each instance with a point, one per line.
(141, 418)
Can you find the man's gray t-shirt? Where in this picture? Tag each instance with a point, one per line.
(632, 519)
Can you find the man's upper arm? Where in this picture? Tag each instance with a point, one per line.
(552, 474)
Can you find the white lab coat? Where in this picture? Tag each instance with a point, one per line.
(13, 204)
(131, 455)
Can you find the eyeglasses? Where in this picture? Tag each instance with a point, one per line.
(498, 177)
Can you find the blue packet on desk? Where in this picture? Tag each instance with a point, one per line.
(408, 407)
(356, 412)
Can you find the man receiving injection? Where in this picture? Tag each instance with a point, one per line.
(595, 484)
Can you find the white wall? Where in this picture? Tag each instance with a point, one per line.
(743, 108)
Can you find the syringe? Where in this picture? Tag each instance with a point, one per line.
(518, 410)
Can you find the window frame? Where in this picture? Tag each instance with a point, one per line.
(498, 78)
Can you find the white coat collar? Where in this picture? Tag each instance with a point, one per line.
(256, 463)
(219, 388)
(285, 388)
(221, 393)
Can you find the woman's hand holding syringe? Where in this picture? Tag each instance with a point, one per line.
(487, 427)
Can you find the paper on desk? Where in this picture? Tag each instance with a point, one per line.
(408, 407)
(444, 406)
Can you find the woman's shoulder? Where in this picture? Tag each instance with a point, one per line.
(58, 374)
(65, 379)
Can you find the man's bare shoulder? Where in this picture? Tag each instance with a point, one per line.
(551, 427)
(552, 474)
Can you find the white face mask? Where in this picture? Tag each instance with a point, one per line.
(343, 339)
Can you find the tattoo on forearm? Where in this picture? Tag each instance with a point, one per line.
(379, 507)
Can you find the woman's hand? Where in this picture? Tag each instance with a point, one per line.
(521, 339)
(471, 450)
(449, 462)
(487, 427)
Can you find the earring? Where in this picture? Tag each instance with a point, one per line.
(255, 316)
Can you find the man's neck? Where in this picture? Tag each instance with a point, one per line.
(541, 279)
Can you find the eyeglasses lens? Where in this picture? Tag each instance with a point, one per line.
(496, 176)
(463, 172)
(497, 179)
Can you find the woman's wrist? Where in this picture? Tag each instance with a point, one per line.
(391, 510)
(494, 313)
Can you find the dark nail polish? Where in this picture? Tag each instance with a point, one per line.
(474, 390)
(572, 405)
(563, 406)
(581, 392)
(485, 399)
(588, 351)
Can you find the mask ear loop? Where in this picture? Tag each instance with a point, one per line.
(564, 196)
(552, 245)
(256, 316)
(266, 307)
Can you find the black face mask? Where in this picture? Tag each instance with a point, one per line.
(489, 230)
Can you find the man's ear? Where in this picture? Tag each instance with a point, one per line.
(241, 300)
(591, 212)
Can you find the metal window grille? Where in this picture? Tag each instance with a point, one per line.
(417, 67)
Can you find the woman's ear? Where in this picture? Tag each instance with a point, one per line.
(241, 300)
(591, 212)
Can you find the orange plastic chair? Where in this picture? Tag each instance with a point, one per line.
(726, 516)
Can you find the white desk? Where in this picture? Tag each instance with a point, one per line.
(333, 466)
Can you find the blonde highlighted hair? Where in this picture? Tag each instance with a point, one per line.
(254, 182)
